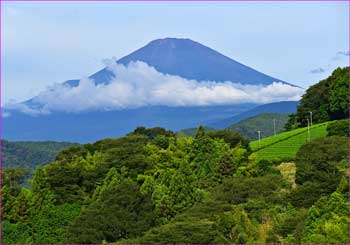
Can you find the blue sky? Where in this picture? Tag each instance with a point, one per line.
(46, 43)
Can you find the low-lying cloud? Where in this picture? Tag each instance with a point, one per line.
(139, 84)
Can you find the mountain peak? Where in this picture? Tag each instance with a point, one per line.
(191, 60)
(171, 42)
(168, 40)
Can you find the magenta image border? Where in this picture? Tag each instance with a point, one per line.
(103, 1)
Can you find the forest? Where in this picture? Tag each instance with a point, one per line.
(156, 186)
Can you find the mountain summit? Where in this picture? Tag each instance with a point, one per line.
(192, 93)
(190, 60)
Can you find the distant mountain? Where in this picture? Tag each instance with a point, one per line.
(28, 154)
(188, 59)
(91, 126)
(181, 57)
(262, 122)
(285, 107)
(248, 127)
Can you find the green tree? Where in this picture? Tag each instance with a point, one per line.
(236, 227)
(118, 210)
(327, 221)
(318, 169)
(340, 128)
(328, 99)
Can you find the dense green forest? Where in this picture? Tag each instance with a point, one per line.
(327, 100)
(153, 186)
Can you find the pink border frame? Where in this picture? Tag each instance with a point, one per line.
(213, 1)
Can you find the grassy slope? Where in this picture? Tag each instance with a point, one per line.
(286, 145)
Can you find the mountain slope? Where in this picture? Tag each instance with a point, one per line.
(263, 122)
(181, 57)
(91, 126)
(285, 107)
(188, 59)
(28, 154)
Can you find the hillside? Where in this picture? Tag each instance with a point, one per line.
(263, 122)
(28, 154)
(286, 145)
(283, 107)
(154, 187)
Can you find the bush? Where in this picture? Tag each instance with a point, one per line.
(318, 168)
(340, 128)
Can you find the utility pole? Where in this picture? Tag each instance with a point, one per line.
(259, 137)
(274, 126)
(311, 118)
(308, 129)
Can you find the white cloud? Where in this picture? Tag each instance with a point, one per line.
(138, 85)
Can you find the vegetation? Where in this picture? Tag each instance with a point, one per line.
(264, 122)
(327, 100)
(152, 186)
(285, 146)
(248, 127)
(27, 154)
(191, 132)
(340, 128)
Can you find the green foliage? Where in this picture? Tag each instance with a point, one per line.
(236, 227)
(14, 178)
(152, 133)
(15, 199)
(118, 210)
(291, 123)
(231, 138)
(153, 187)
(327, 221)
(191, 132)
(50, 224)
(240, 189)
(185, 232)
(288, 226)
(340, 128)
(318, 168)
(18, 233)
(328, 99)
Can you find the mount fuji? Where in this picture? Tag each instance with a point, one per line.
(173, 63)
